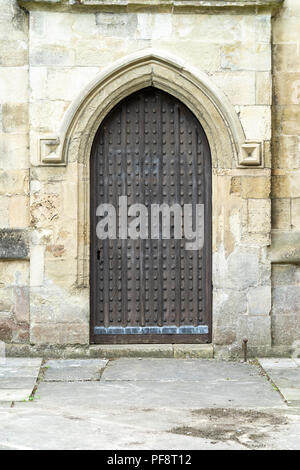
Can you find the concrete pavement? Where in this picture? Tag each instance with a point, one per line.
(132, 403)
(285, 374)
(17, 378)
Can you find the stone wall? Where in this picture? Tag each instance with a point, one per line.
(68, 49)
(14, 173)
(286, 175)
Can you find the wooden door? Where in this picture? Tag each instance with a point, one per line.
(152, 149)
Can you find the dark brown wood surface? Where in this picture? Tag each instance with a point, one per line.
(152, 149)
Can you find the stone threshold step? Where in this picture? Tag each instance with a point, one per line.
(201, 351)
(112, 351)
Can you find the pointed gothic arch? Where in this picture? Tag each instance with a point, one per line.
(211, 107)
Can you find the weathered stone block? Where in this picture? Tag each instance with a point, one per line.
(285, 274)
(46, 306)
(6, 300)
(268, 154)
(15, 117)
(287, 88)
(288, 118)
(4, 203)
(20, 333)
(59, 80)
(14, 272)
(46, 116)
(198, 351)
(49, 54)
(285, 247)
(19, 212)
(44, 333)
(256, 239)
(284, 58)
(13, 53)
(14, 182)
(243, 269)
(256, 121)
(250, 56)
(59, 333)
(13, 244)
(223, 29)
(263, 88)
(286, 186)
(281, 214)
(112, 351)
(13, 85)
(295, 213)
(61, 271)
(13, 151)
(257, 329)
(112, 48)
(37, 265)
(285, 30)
(286, 300)
(238, 86)
(22, 304)
(286, 151)
(13, 21)
(6, 327)
(255, 187)
(259, 215)
(44, 209)
(121, 25)
(259, 300)
(227, 306)
(285, 329)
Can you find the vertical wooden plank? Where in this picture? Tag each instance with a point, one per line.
(165, 180)
(124, 128)
(177, 199)
(142, 196)
(105, 242)
(193, 146)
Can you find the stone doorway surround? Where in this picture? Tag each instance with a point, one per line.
(238, 129)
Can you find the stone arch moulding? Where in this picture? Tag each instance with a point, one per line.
(136, 71)
(148, 68)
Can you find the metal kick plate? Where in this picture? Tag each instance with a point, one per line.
(151, 330)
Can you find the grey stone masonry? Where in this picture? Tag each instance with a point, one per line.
(13, 244)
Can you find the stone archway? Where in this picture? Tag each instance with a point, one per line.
(147, 68)
(240, 204)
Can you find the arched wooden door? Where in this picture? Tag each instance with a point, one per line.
(152, 149)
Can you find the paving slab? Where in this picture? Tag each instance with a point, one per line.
(155, 404)
(74, 370)
(285, 374)
(17, 378)
(278, 363)
(139, 394)
(185, 370)
(151, 430)
(17, 382)
(168, 382)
